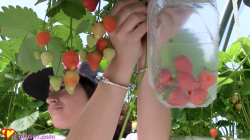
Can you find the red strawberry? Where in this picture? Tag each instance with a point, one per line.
(183, 64)
(42, 38)
(214, 132)
(187, 81)
(109, 24)
(234, 99)
(86, 2)
(71, 78)
(159, 87)
(101, 44)
(98, 30)
(166, 77)
(90, 4)
(94, 60)
(207, 79)
(178, 98)
(238, 106)
(70, 59)
(197, 96)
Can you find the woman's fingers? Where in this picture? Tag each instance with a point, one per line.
(130, 25)
(128, 10)
(121, 4)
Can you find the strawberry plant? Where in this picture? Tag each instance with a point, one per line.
(35, 43)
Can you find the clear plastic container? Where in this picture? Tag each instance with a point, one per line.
(183, 51)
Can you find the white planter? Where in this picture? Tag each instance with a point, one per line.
(197, 138)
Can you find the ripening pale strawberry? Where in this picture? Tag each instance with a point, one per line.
(98, 30)
(42, 38)
(178, 98)
(207, 79)
(134, 125)
(214, 132)
(71, 78)
(46, 58)
(109, 53)
(37, 54)
(109, 24)
(49, 123)
(94, 60)
(70, 59)
(238, 106)
(183, 64)
(187, 81)
(234, 99)
(83, 55)
(166, 77)
(91, 40)
(101, 44)
(55, 82)
(197, 96)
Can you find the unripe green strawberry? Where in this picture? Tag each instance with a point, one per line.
(98, 30)
(228, 116)
(83, 55)
(91, 40)
(69, 91)
(46, 58)
(90, 50)
(49, 122)
(37, 54)
(55, 82)
(104, 14)
(241, 83)
(109, 53)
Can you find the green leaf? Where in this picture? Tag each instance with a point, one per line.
(71, 8)
(5, 47)
(175, 126)
(228, 81)
(228, 90)
(62, 32)
(2, 74)
(24, 123)
(33, 131)
(1, 123)
(18, 22)
(55, 46)
(245, 42)
(45, 114)
(3, 62)
(234, 50)
(15, 76)
(35, 104)
(178, 114)
(40, 1)
(21, 113)
(224, 57)
(82, 27)
(26, 58)
(15, 44)
(194, 122)
(246, 88)
(18, 101)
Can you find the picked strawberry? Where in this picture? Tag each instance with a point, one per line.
(183, 64)
(71, 78)
(109, 24)
(98, 30)
(166, 77)
(70, 59)
(207, 79)
(178, 98)
(101, 44)
(42, 38)
(94, 59)
(187, 81)
(197, 96)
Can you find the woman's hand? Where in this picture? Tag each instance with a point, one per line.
(126, 38)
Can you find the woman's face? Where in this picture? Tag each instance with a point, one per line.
(65, 107)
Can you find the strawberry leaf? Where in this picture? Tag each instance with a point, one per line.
(26, 58)
(55, 46)
(82, 27)
(3, 62)
(18, 22)
(4, 46)
(21, 113)
(40, 1)
(15, 44)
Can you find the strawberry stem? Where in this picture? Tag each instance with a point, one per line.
(133, 100)
(99, 7)
(71, 26)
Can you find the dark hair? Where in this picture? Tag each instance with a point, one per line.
(89, 87)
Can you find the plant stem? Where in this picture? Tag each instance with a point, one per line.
(241, 63)
(71, 26)
(133, 100)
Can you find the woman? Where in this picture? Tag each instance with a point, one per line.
(96, 118)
